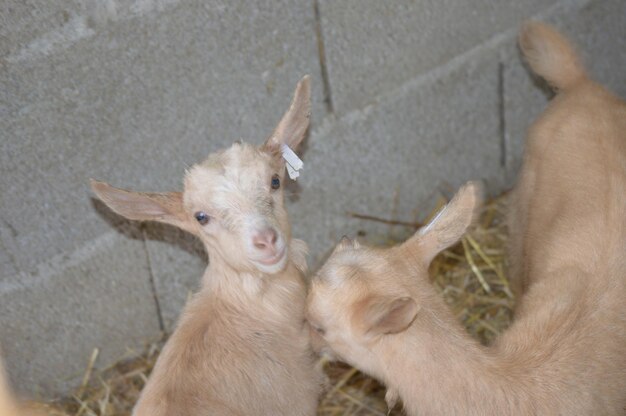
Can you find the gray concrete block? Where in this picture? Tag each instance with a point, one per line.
(429, 137)
(23, 22)
(8, 264)
(50, 322)
(373, 46)
(599, 32)
(136, 102)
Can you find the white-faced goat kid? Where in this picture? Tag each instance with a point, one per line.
(241, 346)
(565, 353)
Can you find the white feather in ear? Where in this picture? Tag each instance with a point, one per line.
(428, 226)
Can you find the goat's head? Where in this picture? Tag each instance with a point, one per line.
(362, 295)
(233, 201)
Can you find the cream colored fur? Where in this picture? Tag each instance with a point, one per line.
(241, 346)
(8, 406)
(565, 353)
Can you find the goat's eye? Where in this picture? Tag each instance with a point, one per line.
(202, 217)
(275, 181)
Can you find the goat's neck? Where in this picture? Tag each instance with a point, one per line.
(225, 281)
(437, 368)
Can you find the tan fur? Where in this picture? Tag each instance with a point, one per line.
(551, 56)
(241, 346)
(565, 353)
(8, 406)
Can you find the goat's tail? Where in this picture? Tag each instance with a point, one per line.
(551, 55)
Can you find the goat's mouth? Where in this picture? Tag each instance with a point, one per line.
(275, 259)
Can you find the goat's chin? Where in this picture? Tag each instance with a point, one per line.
(273, 267)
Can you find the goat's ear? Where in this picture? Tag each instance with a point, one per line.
(449, 224)
(293, 126)
(379, 315)
(164, 207)
(344, 243)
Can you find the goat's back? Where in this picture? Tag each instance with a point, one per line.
(569, 206)
(568, 236)
(574, 184)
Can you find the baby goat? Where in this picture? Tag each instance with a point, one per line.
(241, 346)
(565, 353)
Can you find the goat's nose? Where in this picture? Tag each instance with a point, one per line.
(265, 240)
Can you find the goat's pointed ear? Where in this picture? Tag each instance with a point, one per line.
(164, 207)
(379, 315)
(449, 224)
(293, 126)
(345, 243)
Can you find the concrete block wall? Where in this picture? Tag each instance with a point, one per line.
(410, 99)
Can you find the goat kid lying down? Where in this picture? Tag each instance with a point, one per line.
(241, 346)
(565, 353)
